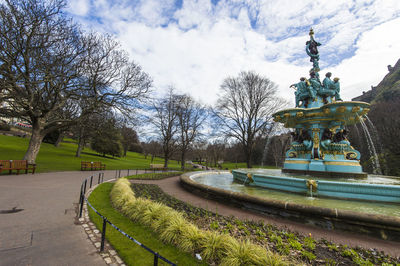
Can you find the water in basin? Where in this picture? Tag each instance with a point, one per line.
(224, 180)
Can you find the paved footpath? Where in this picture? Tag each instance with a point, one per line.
(172, 187)
(44, 231)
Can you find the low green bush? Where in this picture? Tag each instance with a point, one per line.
(4, 127)
(154, 176)
(175, 229)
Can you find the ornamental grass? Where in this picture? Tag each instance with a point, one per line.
(173, 228)
(192, 239)
(243, 252)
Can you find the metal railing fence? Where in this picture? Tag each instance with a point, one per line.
(83, 199)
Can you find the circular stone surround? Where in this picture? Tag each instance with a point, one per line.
(380, 226)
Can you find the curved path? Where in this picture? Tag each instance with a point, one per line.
(44, 231)
(172, 187)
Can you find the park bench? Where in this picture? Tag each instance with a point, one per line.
(157, 166)
(18, 165)
(92, 166)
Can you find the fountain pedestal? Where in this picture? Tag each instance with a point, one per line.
(320, 146)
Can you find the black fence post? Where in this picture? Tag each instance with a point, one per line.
(80, 194)
(98, 180)
(119, 174)
(128, 172)
(136, 171)
(81, 206)
(102, 177)
(84, 187)
(116, 171)
(103, 235)
(91, 181)
(155, 259)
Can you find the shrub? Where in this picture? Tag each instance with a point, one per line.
(164, 220)
(175, 229)
(215, 245)
(4, 127)
(244, 253)
(153, 213)
(191, 239)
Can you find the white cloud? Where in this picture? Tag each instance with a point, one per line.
(376, 49)
(78, 7)
(203, 43)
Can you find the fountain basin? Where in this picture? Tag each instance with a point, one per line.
(347, 112)
(376, 219)
(328, 168)
(321, 188)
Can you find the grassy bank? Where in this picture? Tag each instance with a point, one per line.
(131, 253)
(51, 158)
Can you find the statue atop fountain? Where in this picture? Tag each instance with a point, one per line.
(320, 119)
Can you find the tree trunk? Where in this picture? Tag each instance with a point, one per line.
(183, 155)
(59, 139)
(248, 158)
(166, 158)
(35, 142)
(81, 143)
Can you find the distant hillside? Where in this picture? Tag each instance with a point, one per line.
(387, 89)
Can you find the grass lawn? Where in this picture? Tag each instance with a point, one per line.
(63, 158)
(131, 253)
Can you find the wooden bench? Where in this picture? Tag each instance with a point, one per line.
(17, 165)
(92, 166)
(157, 166)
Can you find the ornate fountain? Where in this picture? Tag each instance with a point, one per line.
(321, 182)
(320, 146)
(320, 149)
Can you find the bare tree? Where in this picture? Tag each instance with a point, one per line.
(165, 121)
(153, 148)
(47, 66)
(245, 108)
(215, 152)
(111, 80)
(278, 146)
(190, 116)
(129, 139)
(40, 54)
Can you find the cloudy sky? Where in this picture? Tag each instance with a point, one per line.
(195, 45)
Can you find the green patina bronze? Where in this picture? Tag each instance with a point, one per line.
(320, 118)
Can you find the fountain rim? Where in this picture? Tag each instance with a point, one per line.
(322, 106)
(321, 212)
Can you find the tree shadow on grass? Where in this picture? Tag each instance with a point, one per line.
(100, 156)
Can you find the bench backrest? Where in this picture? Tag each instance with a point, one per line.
(156, 166)
(91, 164)
(97, 164)
(5, 163)
(19, 163)
(14, 163)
